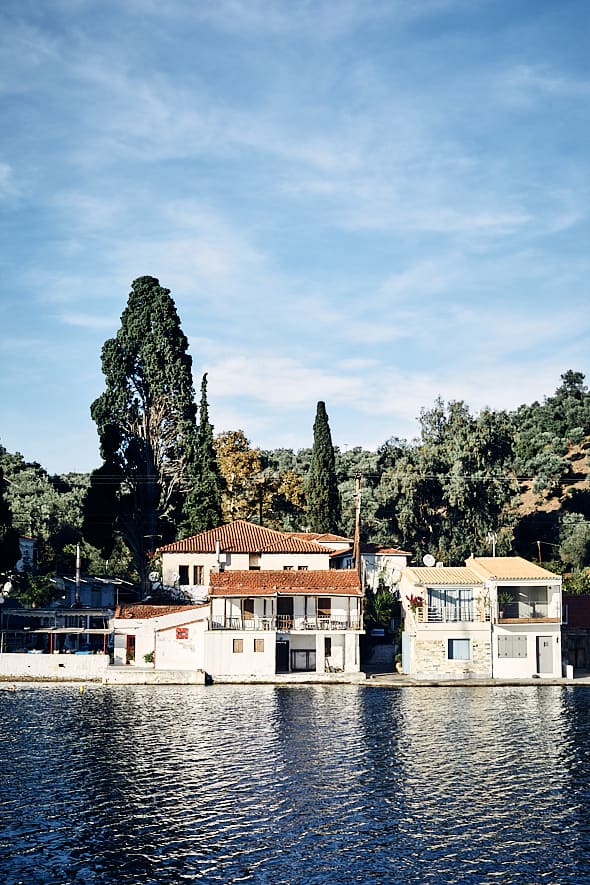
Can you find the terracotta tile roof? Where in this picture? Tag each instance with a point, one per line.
(320, 537)
(377, 549)
(429, 577)
(509, 568)
(331, 582)
(143, 611)
(243, 537)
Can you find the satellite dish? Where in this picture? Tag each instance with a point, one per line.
(153, 576)
(429, 560)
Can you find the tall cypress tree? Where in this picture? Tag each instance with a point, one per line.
(146, 421)
(9, 546)
(203, 501)
(323, 497)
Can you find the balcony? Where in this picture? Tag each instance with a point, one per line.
(452, 614)
(526, 609)
(286, 624)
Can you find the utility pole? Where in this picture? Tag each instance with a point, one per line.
(357, 525)
(492, 538)
(78, 571)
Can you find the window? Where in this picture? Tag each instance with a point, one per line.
(302, 568)
(459, 650)
(287, 568)
(327, 646)
(183, 575)
(248, 609)
(198, 574)
(238, 646)
(324, 607)
(259, 645)
(512, 647)
(450, 604)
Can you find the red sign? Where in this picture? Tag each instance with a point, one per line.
(182, 632)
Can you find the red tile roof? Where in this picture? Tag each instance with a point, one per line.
(376, 549)
(320, 537)
(141, 610)
(244, 537)
(332, 582)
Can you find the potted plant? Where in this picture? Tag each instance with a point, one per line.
(504, 600)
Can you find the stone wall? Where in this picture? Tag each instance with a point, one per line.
(430, 659)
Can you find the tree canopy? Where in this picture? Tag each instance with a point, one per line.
(202, 508)
(323, 497)
(9, 546)
(146, 420)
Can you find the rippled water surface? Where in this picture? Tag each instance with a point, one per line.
(309, 784)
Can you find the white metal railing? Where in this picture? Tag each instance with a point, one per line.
(286, 624)
(445, 614)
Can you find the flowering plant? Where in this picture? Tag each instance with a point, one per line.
(415, 602)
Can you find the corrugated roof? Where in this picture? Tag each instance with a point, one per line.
(331, 582)
(509, 568)
(444, 575)
(244, 537)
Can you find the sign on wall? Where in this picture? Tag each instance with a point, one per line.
(182, 632)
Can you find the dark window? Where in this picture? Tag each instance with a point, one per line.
(183, 575)
(197, 574)
(324, 607)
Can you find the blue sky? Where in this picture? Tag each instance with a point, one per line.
(369, 202)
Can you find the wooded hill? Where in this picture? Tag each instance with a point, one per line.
(516, 480)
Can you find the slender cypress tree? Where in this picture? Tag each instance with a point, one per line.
(203, 501)
(9, 546)
(323, 497)
(146, 420)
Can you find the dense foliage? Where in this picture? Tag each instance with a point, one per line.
(323, 496)
(202, 507)
(518, 481)
(146, 420)
(9, 546)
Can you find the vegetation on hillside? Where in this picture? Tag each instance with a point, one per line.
(516, 482)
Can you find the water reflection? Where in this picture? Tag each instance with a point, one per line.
(307, 784)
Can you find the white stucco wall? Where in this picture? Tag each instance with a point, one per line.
(525, 667)
(171, 563)
(222, 660)
(376, 565)
(55, 667)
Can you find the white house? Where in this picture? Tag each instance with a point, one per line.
(255, 624)
(237, 546)
(381, 565)
(495, 617)
(525, 603)
(285, 622)
(269, 603)
(170, 635)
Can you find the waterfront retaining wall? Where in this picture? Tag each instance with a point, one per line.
(57, 668)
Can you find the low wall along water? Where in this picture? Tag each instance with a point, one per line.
(53, 667)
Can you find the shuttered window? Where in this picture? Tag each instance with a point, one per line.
(512, 646)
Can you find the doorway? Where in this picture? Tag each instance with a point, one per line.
(544, 654)
(282, 656)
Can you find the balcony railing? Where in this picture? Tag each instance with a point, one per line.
(452, 613)
(286, 624)
(528, 610)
